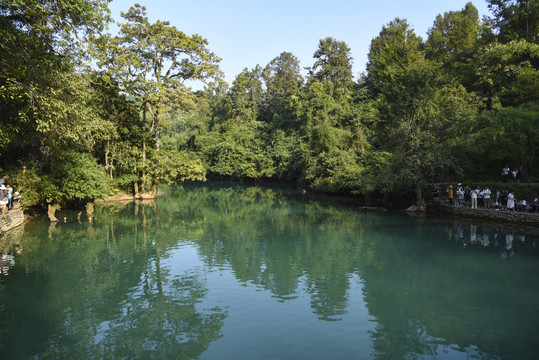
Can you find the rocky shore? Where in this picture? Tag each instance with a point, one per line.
(11, 220)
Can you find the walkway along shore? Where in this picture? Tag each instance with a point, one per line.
(11, 220)
(524, 218)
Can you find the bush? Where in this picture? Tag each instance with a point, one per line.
(77, 177)
(34, 188)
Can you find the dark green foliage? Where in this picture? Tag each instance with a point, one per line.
(497, 138)
(453, 37)
(333, 67)
(283, 80)
(508, 73)
(515, 19)
(66, 176)
(35, 188)
(76, 176)
(168, 166)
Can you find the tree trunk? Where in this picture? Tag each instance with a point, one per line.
(90, 211)
(143, 185)
(419, 202)
(107, 155)
(107, 165)
(157, 133)
(50, 212)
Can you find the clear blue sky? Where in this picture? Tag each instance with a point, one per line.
(244, 33)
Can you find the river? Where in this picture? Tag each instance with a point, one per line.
(231, 271)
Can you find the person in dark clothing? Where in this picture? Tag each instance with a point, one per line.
(534, 206)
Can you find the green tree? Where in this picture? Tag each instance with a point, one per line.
(151, 63)
(40, 42)
(503, 136)
(515, 19)
(333, 66)
(335, 140)
(235, 146)
(246, 95)
(329, 122)
(453, 39)
(508, 73)
(417, 107)
(118, 149)
(283, 79)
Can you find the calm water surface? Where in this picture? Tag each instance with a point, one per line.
(217, 271)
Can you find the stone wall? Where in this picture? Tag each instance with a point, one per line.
(11, 220)
(524, 218)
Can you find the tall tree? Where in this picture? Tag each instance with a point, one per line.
(152, 62)
(333, 66)
(45, 97)
(417, 107)
(283, 82)
(515, 19)
(508, 73)
(40, 41)
(283, 79)
(334, 133)
(453, 37)
(247, 95)
(235, 146)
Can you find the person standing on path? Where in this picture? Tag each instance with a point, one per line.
(511, 201)
(450, 194)
(3, 199)
(505, 173)
(474, 199)
(486, 197)
(504, 199)
(9, 196)
(480, 194)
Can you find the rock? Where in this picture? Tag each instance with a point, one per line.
(415, 208)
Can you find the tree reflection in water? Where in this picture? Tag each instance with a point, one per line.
(427, 295)
(105, 296)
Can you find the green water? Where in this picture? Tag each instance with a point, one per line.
(219, 271)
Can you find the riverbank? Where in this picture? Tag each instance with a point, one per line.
(524, 218)
(124, 197)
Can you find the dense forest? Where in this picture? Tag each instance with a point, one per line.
(87, 114)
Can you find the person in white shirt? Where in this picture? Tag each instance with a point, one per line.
(511, 201)
(3, 199)
(480, 197)
(486, 197)
(522, 206)
(505, 173)
(474, 199)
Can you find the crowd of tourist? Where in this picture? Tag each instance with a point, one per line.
(8, 197)
(485, 198)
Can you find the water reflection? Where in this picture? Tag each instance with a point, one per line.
(9, 247)
(135, 282)
(6, 263)
(428, 297)
(99, 290)
(505, 240)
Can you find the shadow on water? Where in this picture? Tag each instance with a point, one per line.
(115, 287)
